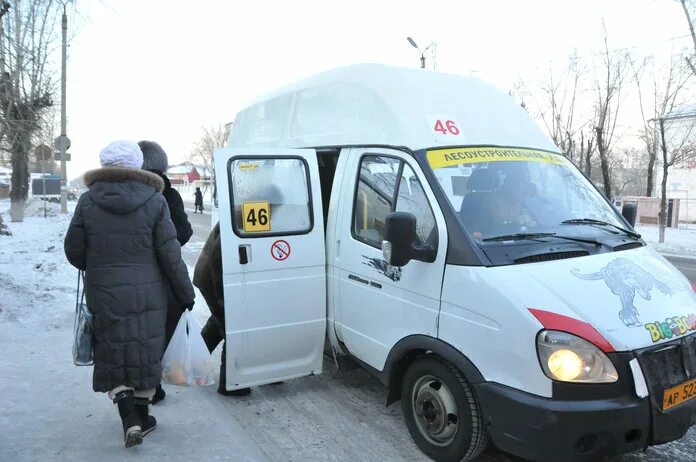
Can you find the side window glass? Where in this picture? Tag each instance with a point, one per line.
(374, 198)
(412, 199)
(270, 197)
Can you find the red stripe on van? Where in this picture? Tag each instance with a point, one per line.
(555, 321)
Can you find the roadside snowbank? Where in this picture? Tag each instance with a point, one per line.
(36, 281)
(681, 242)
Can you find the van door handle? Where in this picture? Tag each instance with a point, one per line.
(243, 254)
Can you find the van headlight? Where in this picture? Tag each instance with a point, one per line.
(569, 358)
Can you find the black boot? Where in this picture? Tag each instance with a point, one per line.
(132, 431)
(159, 394)
(148, 422)
(222, 383)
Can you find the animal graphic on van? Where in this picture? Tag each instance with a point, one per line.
(625, 279)
(392, 272)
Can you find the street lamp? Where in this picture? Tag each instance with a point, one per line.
(422, 52)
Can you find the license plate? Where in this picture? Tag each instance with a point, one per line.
(680, 394)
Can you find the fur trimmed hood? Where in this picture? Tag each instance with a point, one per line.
(122, 190)
(117, 175)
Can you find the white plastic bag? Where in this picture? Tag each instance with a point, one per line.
(187, 360)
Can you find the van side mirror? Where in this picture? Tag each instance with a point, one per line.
(629, 212)
(398, 246)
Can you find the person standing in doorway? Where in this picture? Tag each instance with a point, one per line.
(207, 276)
(122, 237)
(155, 160)
(198, 203)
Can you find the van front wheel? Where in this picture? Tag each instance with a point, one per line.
(441, 411)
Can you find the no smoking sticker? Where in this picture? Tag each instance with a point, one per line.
(280, 250)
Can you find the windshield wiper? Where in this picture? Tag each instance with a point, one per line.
(593, 222)
(535, 236)
(517, 237)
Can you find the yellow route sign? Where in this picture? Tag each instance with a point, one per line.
(440, 158)
(256, 217)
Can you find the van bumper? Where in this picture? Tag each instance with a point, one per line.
(547, 429)
(588, 421)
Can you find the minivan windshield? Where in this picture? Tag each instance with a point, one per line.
(507, 191)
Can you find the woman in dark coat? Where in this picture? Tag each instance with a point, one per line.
(155, 160)
(122, 236)
(198, 200)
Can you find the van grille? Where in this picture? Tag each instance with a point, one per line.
(666, 366)
(551, 256)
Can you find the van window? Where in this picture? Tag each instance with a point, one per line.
(412, 199)
(375, 199)
(270, 197)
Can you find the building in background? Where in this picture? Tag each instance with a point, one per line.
(184, 173)
(681, 184)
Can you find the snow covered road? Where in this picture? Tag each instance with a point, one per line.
(48, 410)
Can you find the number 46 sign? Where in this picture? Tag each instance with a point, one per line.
(443, 125)
(256, 217)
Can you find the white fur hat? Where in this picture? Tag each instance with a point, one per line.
(121, 153)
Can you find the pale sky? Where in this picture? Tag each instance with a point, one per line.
(163, 69)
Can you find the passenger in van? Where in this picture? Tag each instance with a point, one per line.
(155, 161)
(207, 276)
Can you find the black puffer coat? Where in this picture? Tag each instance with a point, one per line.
(123, 237)
(177, 211)
(183, 234)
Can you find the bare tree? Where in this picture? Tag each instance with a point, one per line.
(560, 100)
(664, 94)
(586, 149)
(629, 171)
(690, 13)
(213, 138)
(677, 143)
(608, 102)
(27, 85)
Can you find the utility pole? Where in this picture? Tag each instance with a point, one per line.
(63, 122)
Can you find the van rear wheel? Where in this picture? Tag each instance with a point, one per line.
(441, 411)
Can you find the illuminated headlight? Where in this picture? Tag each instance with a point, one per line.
(569, 358)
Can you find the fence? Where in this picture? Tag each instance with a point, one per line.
(681, 212)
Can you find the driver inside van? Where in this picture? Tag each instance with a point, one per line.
(490, 210)
(509, 212)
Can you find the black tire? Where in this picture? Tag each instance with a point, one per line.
(464, 436)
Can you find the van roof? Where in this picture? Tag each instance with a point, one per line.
(373, 104)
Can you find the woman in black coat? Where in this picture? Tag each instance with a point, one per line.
(155, 160)
(122, 236)
(198, 200)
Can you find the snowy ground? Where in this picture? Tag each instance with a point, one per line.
(680, 242)
(49, 412)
